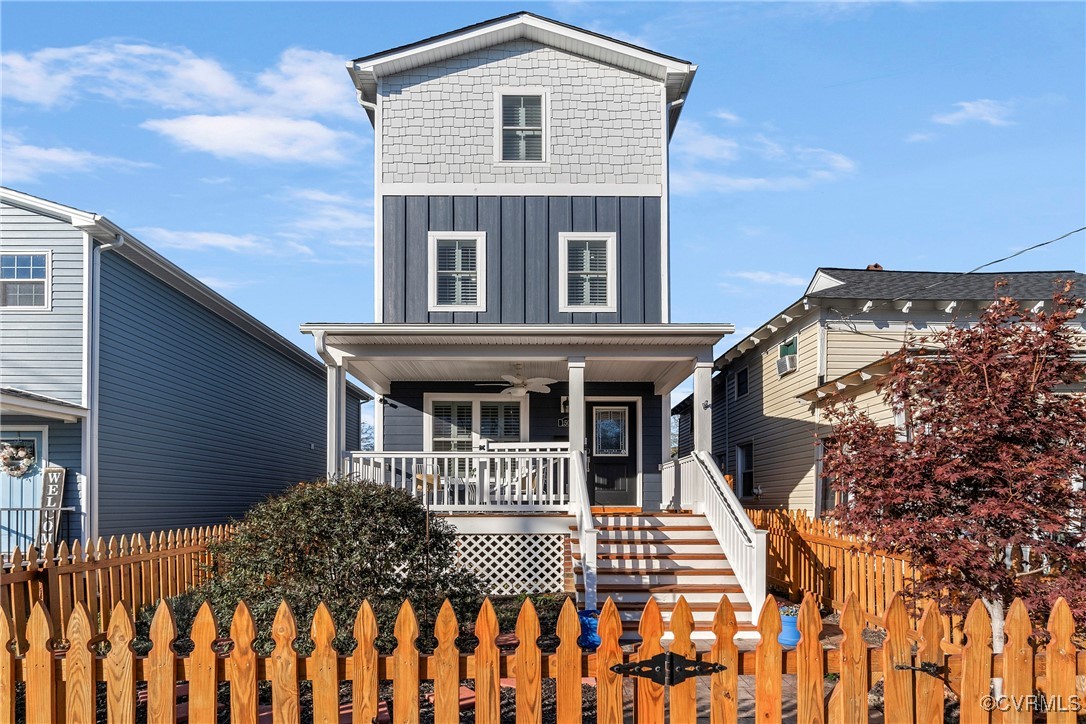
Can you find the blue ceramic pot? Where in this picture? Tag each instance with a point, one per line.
(789, 635)
(589, 639)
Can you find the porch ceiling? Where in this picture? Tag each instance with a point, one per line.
(379, 354)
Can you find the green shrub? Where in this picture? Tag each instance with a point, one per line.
(340, 543)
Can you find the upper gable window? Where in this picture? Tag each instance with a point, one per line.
(457, 271)
(522, 132)
(24, 281)
(587, 267)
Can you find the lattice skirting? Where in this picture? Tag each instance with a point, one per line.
(514, 564)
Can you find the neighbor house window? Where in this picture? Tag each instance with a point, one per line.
(522, 135)
(610, 432)
(24, 281)
(789, 348)
(587, 268)
(744, 465)
(742, 382)
(828, 498)
(457, 271)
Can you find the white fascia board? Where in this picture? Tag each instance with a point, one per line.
(796, 311)
(14, 405)
(474, 331)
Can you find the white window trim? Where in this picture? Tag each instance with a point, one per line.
(525, 90)
(479, 237)
(625, 432)
(429, 398)
(564, 238)
(48, 280)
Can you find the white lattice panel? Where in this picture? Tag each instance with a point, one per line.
(513, 564)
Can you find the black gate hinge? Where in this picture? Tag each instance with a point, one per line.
(668, 669)
(925, 667)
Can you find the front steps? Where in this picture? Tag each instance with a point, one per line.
(663, 556)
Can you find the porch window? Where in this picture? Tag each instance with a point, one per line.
(457, 271)
(610, 432)
(452, 427)
(744, 463)
(522, 132)
(24, 281)
(499, 421)
(587, 269)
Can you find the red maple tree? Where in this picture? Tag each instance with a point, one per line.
(982, 489)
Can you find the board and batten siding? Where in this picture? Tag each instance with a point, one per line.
(197, 419)
(522, 255)
(437, 122)
(42, 351)
(65, 445)
(403, 420)
(781, 428)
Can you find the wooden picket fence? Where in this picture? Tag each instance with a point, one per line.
(135, 570)
(805, 555)
(61, 679)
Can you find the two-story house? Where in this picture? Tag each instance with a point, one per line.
(523, 352)
(151, 401)
(772, 385)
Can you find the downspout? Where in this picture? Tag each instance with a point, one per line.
(92, 374)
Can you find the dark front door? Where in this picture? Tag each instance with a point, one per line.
(612, 452)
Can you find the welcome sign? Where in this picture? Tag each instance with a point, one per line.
(52, 493)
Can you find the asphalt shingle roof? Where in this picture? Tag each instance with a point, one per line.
(874, 284)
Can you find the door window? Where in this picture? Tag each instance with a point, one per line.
(610, 432)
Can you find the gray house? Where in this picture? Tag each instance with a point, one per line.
(524, 354)
(162, 404)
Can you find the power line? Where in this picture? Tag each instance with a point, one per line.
(845, 318)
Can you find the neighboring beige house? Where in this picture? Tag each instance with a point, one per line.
(766, 393)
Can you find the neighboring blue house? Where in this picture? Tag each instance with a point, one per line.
(166, 405)
(523, 350)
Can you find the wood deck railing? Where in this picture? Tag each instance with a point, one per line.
(62, 681)
(135, 570)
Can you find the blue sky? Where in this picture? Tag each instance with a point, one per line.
(227, 136)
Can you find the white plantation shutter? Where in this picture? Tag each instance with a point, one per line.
(522, 128)
(500, 421)
(457, 272)
(587, 270)
(452, 426)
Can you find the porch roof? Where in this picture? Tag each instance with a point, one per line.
(14, 401)
(379, 354)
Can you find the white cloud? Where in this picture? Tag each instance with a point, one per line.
(774, 278)
(200, 240)
(308, 82)
(334, 218)
(994, 113)
(696, 142)
(248, 137)
(727, 116)
(920, 137)
(23, 162)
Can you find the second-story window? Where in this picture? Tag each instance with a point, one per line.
(587, 267)
(522, 135)
(457, 271)
(24, 281)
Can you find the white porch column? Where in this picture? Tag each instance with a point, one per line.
(577, 427)
(336, 421)
(703, 411)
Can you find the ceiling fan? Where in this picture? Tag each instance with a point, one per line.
(518, 386)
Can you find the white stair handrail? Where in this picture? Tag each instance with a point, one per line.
(586, 525)
(743, 544)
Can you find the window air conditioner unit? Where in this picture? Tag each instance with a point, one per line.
(787, 364)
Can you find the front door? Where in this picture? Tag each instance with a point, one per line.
(20, 487)
(612, 452)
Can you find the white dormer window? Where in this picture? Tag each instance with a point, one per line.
(521, 125)
(24, 281)
(457, 271)
(587, 270)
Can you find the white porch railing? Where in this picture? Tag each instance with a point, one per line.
(586, 525)
(696, 483)
(494, 481)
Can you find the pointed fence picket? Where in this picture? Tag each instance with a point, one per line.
(131, 569)
(61, 679)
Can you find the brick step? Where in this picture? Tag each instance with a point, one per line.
(600, 556)
(668, 569)
(646, 541)
(682, 588)
(702, 607)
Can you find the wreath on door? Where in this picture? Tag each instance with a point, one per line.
(16, 461)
